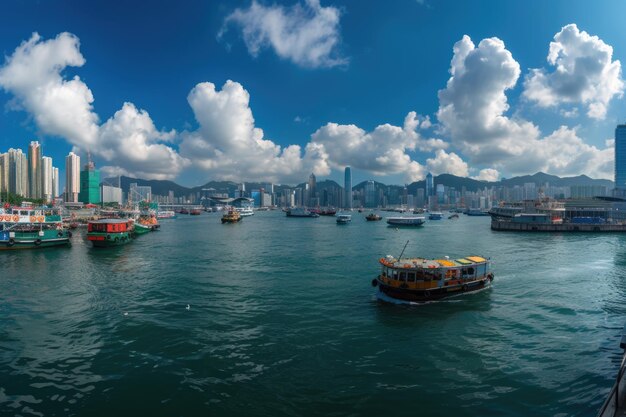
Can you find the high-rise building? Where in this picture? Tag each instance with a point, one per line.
(430, 185)
(18, 172)
(347, 187)
(55, 182)
(35, 181)
(370, 194)
(4, 172)
(46, 178)
(138, 193)
(72, 177)
(312, 202)
(620, 158)
(89, 184)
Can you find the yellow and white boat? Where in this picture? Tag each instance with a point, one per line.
(419, 279)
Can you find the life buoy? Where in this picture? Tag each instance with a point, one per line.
(374, 282)
(37, 242)
(60, 234)
(11, 242)
(16, 218)
(426, 293)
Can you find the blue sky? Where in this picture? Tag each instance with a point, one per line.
(288, 111)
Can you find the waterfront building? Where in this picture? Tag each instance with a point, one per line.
(72, 177)
(46, 178)
(55, 182)
(620, 158)
(347, 187)
(18, 172)
(430, 185)
(35, 181)
(89, 184)
(440, 194)
(4, 173)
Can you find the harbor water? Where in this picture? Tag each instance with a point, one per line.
(277, 316)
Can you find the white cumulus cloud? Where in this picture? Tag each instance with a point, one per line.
(228, 144)
(488, 174)
(307, 35)
(584, 73)
(447, 163)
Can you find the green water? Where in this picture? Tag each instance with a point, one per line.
(283, 320)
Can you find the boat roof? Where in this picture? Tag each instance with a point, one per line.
(390, 261)
(106, 221)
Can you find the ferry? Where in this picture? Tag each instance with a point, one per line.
(435, 215)
(420, 279)
(372, 217)
(32, 228)
(245, 211)
(300, 212)
(104, 233)
(406, 221)
(166, 214)
(328, 211)
(231, 216)
(344, 218)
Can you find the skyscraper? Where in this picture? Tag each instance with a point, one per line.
(55, 182)
(46, 178)
(620, 158)
(89, 184)
(347, 187)
(72, 177)
(18, 172)
(4, 172)
(312, 191)
(35, 183)
(430, 185)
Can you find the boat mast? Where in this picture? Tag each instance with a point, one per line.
(401, 253)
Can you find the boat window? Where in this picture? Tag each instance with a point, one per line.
(402, 276)
(411, 277)
(470, 271)
(395, 274)
(481, 269)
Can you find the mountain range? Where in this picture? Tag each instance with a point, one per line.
(163, 187)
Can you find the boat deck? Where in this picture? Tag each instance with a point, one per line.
(615, 404)
(432, 263)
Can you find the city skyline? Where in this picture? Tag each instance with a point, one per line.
(480, 99)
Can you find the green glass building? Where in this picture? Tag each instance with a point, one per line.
(89, 185)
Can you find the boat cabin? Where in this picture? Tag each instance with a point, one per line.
(109, 226)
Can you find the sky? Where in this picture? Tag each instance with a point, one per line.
(274, 90)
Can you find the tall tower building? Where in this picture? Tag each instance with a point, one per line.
(312, 191)
(430, 185)
(18, 172)
(347, 187)
(89, 184)
(72, 177)
(4, 172)
(35, 181)
(55, 182)
(620, 158)
(46, 178)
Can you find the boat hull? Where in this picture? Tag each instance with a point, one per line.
(142, 229)
(106, 240)
(32, 240)
(411, 295)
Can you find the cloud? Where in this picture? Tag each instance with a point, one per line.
(306, 35)
(488, 174)
(228, 143)
(584, 73)
(383, 151)
(447, 163)
(60, 107)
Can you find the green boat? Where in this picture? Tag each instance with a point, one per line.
(141, 229)
(28, 227)
(105, 233)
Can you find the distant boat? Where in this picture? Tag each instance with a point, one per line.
(301, 212)
(195, 212)
(327, 212)
(419, 279)
(477, 212)
(231, 216)
(184, 211)
(344, 218)
(166, 214)
(453, 216)
(435, 215)
(406, 221)
(372, 217)
(245, 211)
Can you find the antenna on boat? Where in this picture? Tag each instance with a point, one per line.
(401, 253)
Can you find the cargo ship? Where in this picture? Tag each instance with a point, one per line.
(421, 279)
(28, 227)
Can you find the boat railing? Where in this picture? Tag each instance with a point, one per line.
(613, 402)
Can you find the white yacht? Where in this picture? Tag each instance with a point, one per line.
(406, 221)
(245, 211)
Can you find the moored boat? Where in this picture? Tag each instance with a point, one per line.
(453, 216)
(231, 216)
(406, 221)
(344, 218)
(32, 228)
(166, 214)
(110, 232)
(140, 229)
(148, 220)
(245, 211)
(195, 212)
(372, 217)
(300, 212)
(420, 279)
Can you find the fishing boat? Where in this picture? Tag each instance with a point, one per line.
(372, 217)
(140, 229)
(301, 212)
(413, 221)
(231, 216)
(166, 214)
(148, 220)
(435, 215)
(245, 211)
(420, 279)
(32, 228)
(195, 212)
(344, 218)
(105, 233)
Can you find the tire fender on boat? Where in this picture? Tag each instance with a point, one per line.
(60, 234)
(11, 242)
(374, 282)
(37, 242)
(427, 293)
